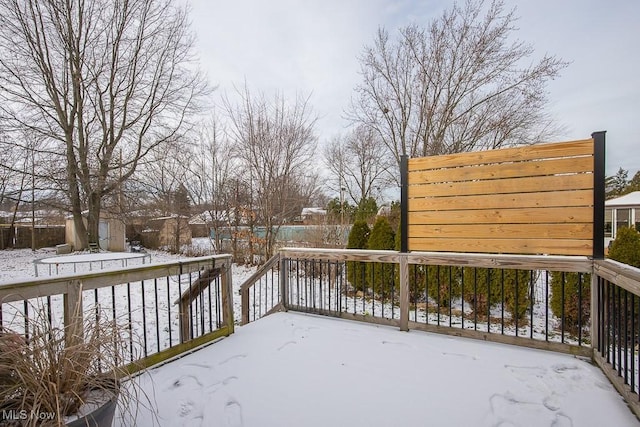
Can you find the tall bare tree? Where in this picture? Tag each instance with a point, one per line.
(214, 182)
(359, 164)
(97, 77)
(275, 142)
(460, 84)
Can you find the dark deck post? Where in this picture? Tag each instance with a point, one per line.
(404, 242)
(404, 203)
(598, 193)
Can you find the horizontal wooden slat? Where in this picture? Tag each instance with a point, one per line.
(340, 254)
(522, 262)
(503, 170)
(525, 200)
(570, 199)
(520, 246)
(505, 231)
(537, 151)
(505, 186)
(504, 216)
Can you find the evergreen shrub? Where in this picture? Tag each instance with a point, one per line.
(358, 238)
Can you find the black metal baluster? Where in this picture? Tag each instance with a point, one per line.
(144, 320)
(157, 310)
(169, 312)
(546, 306)
(562, 319)
(579, 308)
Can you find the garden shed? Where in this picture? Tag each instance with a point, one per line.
(170, 231)
(623, 211)
(111, 232)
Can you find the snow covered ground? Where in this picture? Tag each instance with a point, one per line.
(295, 369)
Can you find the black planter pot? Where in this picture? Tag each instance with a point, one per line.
(102, 416)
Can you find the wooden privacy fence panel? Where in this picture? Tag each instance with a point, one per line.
(537, 199)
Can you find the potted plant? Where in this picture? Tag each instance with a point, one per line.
(53, 375)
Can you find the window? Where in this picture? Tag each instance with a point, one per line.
(607, 223)
(622, 218)
(637, 218)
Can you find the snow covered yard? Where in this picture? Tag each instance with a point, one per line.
(296, 369)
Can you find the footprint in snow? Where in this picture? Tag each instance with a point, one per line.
(197, 365)
(551, 403)
(211, 389)
(183, 380)
(464, 356)
(286, 344)
(563, 367)
(562, 420)
(233, 414)
(401, 344)
(237, 356)
(185, 408)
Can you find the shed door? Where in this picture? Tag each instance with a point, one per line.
(103, 235)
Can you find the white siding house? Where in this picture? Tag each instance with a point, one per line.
(623, 211)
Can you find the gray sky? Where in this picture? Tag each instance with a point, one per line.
(311, 47)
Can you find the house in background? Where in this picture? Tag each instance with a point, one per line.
(623, 211)
(111, 232)
(171, 232)
(312, 216)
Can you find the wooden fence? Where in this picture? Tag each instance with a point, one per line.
(539, 199)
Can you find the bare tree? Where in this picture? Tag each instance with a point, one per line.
(359, 163)
(275, 143)
(21, 170)
(97, 77)
(214, 185)
(457, 85)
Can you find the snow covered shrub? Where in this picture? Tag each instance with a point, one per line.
(358, 238)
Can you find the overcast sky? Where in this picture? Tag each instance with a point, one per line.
(311, 47)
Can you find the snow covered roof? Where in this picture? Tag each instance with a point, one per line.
(301, 370)
(313, 211)
(208, 217)
(631, 199)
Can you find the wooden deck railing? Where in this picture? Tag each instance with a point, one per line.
(168, 308)
(505, 298)
(261, 294)
(570, 304)
(616, 312)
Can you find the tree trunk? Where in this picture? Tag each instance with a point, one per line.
(93, 219)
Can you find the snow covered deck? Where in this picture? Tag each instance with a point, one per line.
(303, 370)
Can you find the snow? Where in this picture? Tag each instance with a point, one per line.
(19, 263)
(631, 199)
(297, 369)
(93, 257)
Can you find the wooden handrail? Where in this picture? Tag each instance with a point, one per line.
(244, 288)
(48, 286)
